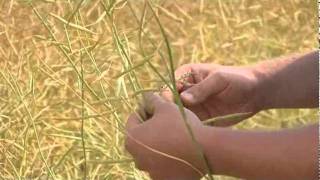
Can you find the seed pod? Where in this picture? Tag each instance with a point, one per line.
(230, 118)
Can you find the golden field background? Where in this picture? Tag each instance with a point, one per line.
(68, 68)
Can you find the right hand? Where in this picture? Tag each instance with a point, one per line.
(214, 90)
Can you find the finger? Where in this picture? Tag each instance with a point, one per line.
(167, 94)
(199, 111)
(187, 86)
(201, 91)
(141, 111)
(153, 102)
(181, 76)
(133, 121)
(193, 73)
(184, 74)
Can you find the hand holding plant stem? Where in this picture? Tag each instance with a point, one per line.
(227, 150)
(214, 91)
(198, 150)
(165, 131)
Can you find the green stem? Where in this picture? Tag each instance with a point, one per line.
(177, 97)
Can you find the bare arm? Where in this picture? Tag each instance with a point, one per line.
(213, 90)
(287, 154)
(289, 82)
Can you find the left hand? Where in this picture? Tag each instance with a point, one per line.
(212, 90)
(165, 134)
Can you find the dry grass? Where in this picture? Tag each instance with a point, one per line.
(71, 72)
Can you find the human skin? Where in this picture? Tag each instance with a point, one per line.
(214, 90)
(286, 154)
(164, 132)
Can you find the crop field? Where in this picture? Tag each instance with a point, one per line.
(72, 71)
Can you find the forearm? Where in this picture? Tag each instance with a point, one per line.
(288, 154)
(289, 82)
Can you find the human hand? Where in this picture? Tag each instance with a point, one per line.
(162, 146)
(213, 90)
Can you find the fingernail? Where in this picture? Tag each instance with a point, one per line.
(187, 97)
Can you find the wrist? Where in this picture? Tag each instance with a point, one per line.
(277, 87)
(263, 87)
(211, 141)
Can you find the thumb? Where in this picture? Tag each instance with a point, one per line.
(198, 93)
